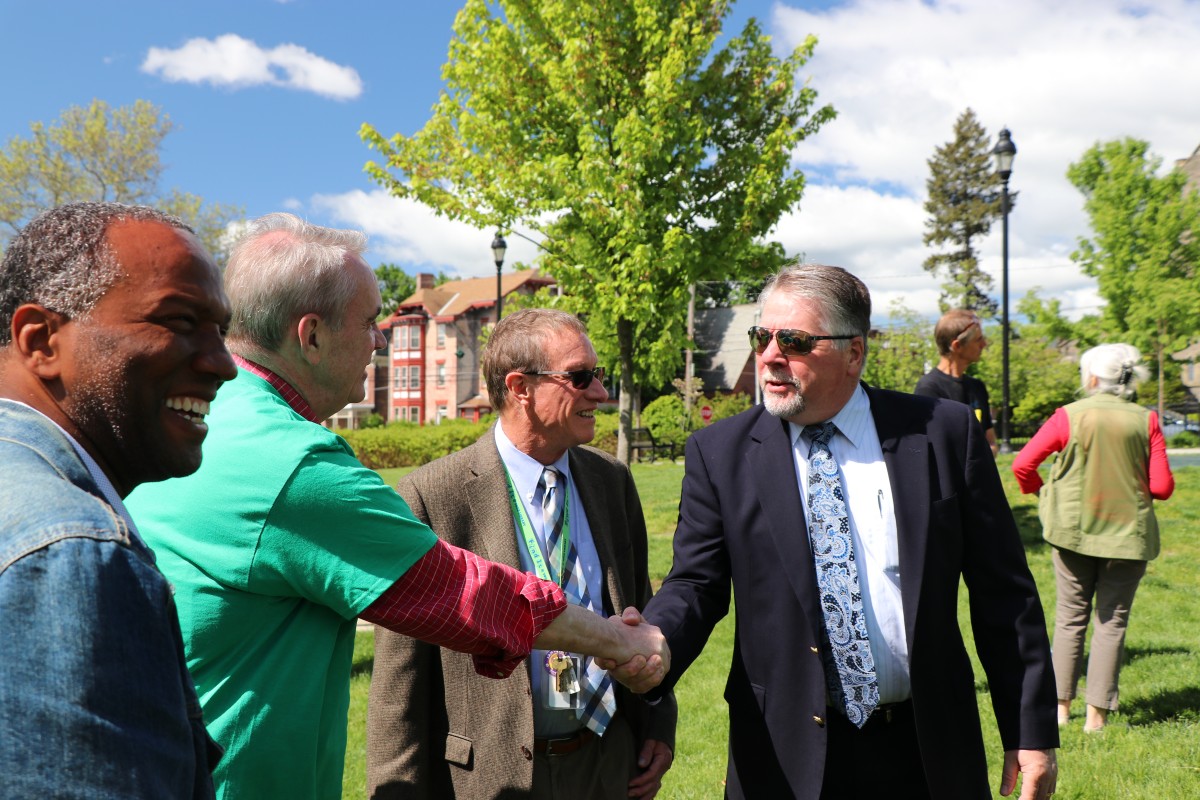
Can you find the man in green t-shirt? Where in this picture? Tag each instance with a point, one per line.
(283, 538)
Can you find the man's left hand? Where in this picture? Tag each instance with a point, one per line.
(655, 759)
(1040, 771)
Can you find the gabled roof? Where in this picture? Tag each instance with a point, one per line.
(454, 298)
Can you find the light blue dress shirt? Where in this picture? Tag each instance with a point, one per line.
(525, 473)
(869, 503)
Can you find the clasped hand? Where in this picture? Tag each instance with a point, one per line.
(646, 656)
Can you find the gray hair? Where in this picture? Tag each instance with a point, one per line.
(62, 259)
(517, 344)
(283, 268)
(1116, 368)
(842, 300)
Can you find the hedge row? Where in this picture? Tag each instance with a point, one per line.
(406, 444)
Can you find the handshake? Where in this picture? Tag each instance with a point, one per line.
(631, 649)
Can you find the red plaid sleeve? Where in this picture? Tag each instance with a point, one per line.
(453, 598)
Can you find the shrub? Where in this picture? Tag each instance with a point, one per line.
(406, 444)
(607, 422)
(1184, 439)
(664, 416)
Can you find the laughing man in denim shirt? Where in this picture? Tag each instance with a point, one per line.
(112, 322)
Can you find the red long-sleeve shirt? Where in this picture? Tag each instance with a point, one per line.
(1052, 438)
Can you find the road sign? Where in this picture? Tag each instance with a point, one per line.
(706, 413)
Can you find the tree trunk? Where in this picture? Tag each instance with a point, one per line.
(625, 399)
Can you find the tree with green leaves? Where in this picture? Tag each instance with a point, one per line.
(902, 351)
(964, 201)
(1043, 361)
(100, 153)
(395, 286)
(646, 160)
(1144, 250)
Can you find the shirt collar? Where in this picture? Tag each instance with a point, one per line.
(524, 469)
(852, 420)
(107, 490)
(285, 389)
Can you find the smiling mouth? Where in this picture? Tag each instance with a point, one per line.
(193, 409)
(586, 414)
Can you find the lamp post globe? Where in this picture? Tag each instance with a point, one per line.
(499, 246)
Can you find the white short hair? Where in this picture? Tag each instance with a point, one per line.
(1117, 369)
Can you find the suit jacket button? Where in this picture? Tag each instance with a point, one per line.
(525, 752)
(819, 720)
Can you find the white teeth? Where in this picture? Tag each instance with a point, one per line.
(188, 405)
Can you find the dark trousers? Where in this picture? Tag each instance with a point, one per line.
(600, 770)
(880, 760)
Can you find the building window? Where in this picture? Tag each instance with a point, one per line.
(397, 377)
(441, 374)
(441, 335)
(414, 377)
(414, 337)
(414, 413)
(441, 413)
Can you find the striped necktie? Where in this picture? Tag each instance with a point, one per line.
(597, 701)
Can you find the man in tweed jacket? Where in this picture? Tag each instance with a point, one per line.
(435, 728)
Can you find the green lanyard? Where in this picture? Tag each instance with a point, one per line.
(531, 543)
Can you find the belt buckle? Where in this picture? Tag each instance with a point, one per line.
(566, 740)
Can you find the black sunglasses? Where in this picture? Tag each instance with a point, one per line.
(580, 378)
(791, 342)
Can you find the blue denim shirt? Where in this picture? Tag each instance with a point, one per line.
(95, 697)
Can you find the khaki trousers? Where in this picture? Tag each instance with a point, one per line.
(1113, 583)
(600, 770)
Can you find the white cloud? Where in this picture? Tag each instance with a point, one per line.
(1060, 76)
(237, 63)
(408, 233)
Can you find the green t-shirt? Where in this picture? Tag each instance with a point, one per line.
(274, 547)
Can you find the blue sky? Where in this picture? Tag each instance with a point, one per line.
(268, 97)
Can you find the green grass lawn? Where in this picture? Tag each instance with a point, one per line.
(1150, 750)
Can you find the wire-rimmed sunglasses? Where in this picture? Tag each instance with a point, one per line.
(580, 378)
(792, 342)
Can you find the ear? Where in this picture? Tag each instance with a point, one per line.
(857, 352)
(518, 387)
(310, 335)
(37, 339)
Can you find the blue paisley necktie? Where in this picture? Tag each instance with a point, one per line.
(598, 701)
(849, 666)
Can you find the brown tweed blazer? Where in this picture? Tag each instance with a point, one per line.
(435, 728)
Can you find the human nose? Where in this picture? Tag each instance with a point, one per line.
(771, 353)
(214, 359)
(378, 338)
(596, 390)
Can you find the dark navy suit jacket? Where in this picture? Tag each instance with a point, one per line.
(741, 524)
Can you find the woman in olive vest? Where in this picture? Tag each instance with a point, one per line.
(1097, 512)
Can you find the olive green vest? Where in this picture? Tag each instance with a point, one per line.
(1097, 499)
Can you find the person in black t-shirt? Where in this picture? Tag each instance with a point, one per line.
(960, 341)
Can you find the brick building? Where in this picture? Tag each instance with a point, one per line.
(431, 368)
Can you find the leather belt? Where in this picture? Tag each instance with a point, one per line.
(561, 747)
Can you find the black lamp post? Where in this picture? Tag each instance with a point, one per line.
(499, 246)
(1004, 152)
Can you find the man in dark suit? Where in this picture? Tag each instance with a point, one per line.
(435, 728)
(845, 545)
